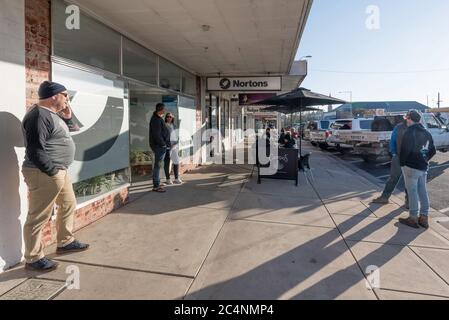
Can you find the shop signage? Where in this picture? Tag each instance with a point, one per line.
(244, 84)
(246, 99)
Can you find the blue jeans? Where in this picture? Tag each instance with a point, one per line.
(415, 182)
(159, 155)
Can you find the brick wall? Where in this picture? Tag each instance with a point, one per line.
(37, 47)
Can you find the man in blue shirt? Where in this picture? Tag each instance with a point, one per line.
(396, 172)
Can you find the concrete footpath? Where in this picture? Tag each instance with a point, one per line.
(223, 236)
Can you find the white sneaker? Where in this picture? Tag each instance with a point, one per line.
(178, 181)
(168, 182)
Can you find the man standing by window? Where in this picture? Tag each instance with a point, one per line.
(50, 151)
(416, 151)
(159, 142)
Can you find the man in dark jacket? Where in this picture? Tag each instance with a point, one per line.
(416, 151)
(159, 142)
(395, 169)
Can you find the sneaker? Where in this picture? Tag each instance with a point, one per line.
(381, 200)
(178, 181)
(168, 182)
(75, 246)
(43, 264)
(423, 221)
(411, 222)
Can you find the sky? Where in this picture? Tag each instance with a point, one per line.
(402, 55)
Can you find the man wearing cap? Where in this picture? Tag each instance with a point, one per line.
(395, 171)
(49, 152)
(416, 151)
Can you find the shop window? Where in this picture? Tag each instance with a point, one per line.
(169, 75)
(139, 63)
(188, 83)
(93, 43)
(100, 110)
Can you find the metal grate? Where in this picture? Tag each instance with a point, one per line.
(34, 289)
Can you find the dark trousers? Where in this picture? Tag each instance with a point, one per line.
(395, 176)
(167, 166)
(159, 153)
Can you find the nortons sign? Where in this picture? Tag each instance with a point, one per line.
(244, 84)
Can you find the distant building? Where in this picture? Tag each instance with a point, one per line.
(349, 110)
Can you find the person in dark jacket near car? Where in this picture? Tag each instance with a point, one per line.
(416, 151)
(159, 142)
(395, 169)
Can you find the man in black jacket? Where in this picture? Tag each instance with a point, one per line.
(416, 151)
(159, 142)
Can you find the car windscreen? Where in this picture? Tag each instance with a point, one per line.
(342, 125)
(366, 124)
(324, 125)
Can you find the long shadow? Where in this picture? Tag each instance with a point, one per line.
(379, 257)
(10, 226)
(315, 254)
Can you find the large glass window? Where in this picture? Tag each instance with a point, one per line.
(188, 83)
(100, 109)
(93, 43)
(169, 75)
(139, 63)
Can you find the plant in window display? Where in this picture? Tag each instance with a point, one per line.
(139, 157)
(93, 186)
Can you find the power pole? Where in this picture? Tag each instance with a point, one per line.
(439, 100)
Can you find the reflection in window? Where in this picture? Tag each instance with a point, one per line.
(188, 83)
(169, 75)
(138, 62)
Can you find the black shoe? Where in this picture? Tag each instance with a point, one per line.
(43, 264)
(75, 246)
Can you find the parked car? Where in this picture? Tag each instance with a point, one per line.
(316, 128)
(340, 129)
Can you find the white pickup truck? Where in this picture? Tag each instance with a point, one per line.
(374, 145)
(314, 128)
(341, 129)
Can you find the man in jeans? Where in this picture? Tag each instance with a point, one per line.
(396, 172)
(416, 151)
(159, 142)
(49, 152)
